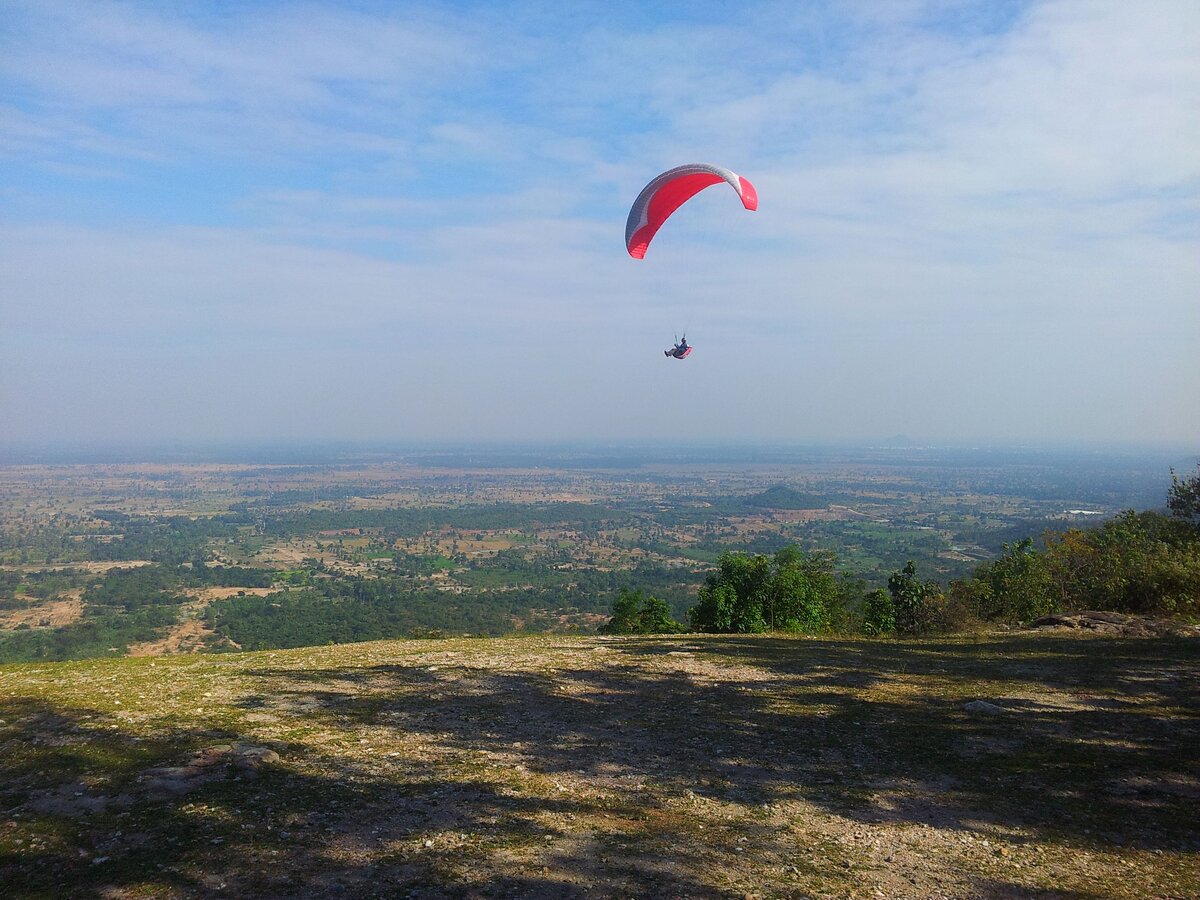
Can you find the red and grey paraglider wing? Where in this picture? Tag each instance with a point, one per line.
(671, 190)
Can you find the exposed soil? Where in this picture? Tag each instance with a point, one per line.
(192, 634)
(91, 567)
(205, 596)
(186, 637)
(51, 614)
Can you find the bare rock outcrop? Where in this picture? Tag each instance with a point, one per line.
(1116, 624)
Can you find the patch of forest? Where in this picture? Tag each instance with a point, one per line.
(560, 566)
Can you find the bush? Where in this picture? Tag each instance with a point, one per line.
(1017, 587)
(878, 613)
(732, 598)
(791, 591)
(655, 618)
(635, 613)
(1134, 563)
(964, 600)
(1183, 499)
(1145, 563)
(918, 604)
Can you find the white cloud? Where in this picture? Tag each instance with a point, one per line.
(286, 82)
(1084, 100)
(965, 231)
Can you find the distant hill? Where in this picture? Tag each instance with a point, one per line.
(780, 496)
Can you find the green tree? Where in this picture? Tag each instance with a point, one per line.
(625, 609)
(878, 612)
(1183, 499)
(804, 592)
(917, 603)
(1017, 587)
(635, 613)
(655, 618)
(791, 591)
(733, 597)
(716, 609)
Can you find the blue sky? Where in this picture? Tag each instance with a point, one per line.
(335, 221)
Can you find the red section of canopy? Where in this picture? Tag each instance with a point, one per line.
(650, 212)
(665, 201)
(748, 194)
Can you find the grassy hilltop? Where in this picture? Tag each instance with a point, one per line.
(696, 766)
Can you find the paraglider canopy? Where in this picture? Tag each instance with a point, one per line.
(671, 190)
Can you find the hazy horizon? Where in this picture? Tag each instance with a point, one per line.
(369, 223)
(897, 448)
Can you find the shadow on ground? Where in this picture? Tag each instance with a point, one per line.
(80, 821)
(1113, 764)
(592, 776)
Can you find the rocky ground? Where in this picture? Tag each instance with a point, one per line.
(1015, 765)
(1117, 624)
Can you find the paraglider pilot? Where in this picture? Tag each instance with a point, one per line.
(680, 350)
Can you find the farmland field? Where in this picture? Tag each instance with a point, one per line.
(488, 542)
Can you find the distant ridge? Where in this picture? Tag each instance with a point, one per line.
(780, 496)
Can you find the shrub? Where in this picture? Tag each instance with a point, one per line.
(732, 598)
(878, 613)
(1183, 499)
(918, 604)
(1017, 587)
(635, 613)
(655, 618)
(1145, 563)
(791, 591)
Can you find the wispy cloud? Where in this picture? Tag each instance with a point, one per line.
(969, 210)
